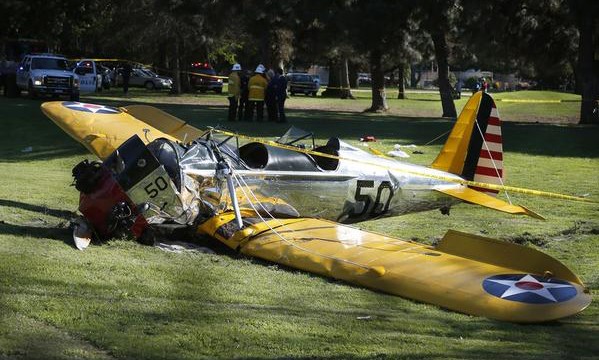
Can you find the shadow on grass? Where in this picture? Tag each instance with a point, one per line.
(39, 229)
(63, 214)
(62, 234)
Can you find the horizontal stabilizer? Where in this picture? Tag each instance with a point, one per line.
(479, 198)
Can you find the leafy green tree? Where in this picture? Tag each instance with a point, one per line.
(535, 39)
(548, 40)
(270, 25)
(376, 28)
(415, 46)
(174, 32)
(66, 26)
(439, 18)
(585, 15)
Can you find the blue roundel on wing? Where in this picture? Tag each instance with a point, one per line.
(531, 289)
(91, 108)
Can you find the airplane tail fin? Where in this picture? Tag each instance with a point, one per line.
(474, 148)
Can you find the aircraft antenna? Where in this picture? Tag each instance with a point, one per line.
(437, 138)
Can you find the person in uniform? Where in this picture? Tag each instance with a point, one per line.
(257, 86)
(234, 91)
(280, 94)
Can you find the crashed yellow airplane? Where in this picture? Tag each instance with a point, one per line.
(286, 203)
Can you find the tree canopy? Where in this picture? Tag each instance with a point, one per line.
(554, 42)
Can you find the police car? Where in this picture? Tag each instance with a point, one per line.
(90, 76)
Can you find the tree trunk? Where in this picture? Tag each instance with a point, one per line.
(176, 71)
(585, 72)
(379, 98)
(415, 76)
(442, 55)
(345, 90)
(333, 89)
(353, 76)
(265, 52)
(401, 83)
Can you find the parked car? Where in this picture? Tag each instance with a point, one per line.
(203, 77)
(47, 74)
(302, 83)
(145, 78)
(364, 79)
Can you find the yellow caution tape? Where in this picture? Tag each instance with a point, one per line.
(337, 88)
(148, 65)
(111, 60)
(107, 60)
(349, 88)
(205, 75)
(303, 85)
(530, 101)
(413, 172)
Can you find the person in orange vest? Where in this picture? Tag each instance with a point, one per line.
(256, 85)
(234, 91)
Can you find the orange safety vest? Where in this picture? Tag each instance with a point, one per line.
(257, 85)
(234, 84)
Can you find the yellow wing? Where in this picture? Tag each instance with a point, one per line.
(102, 129)
(164, 122)
(466, 273)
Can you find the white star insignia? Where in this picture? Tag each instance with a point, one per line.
(92, 107)
(528, 284)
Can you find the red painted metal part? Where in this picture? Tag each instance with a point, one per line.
(97, 206)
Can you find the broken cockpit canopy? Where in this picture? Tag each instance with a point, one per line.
(294, 136)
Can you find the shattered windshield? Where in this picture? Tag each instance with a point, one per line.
(294, 135)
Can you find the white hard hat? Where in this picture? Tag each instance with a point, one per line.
(260, 69)
(236, 67)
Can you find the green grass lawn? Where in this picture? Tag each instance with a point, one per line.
(122, 300)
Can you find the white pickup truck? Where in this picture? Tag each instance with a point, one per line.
(47, 74)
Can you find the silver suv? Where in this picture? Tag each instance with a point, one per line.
(47, 74)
